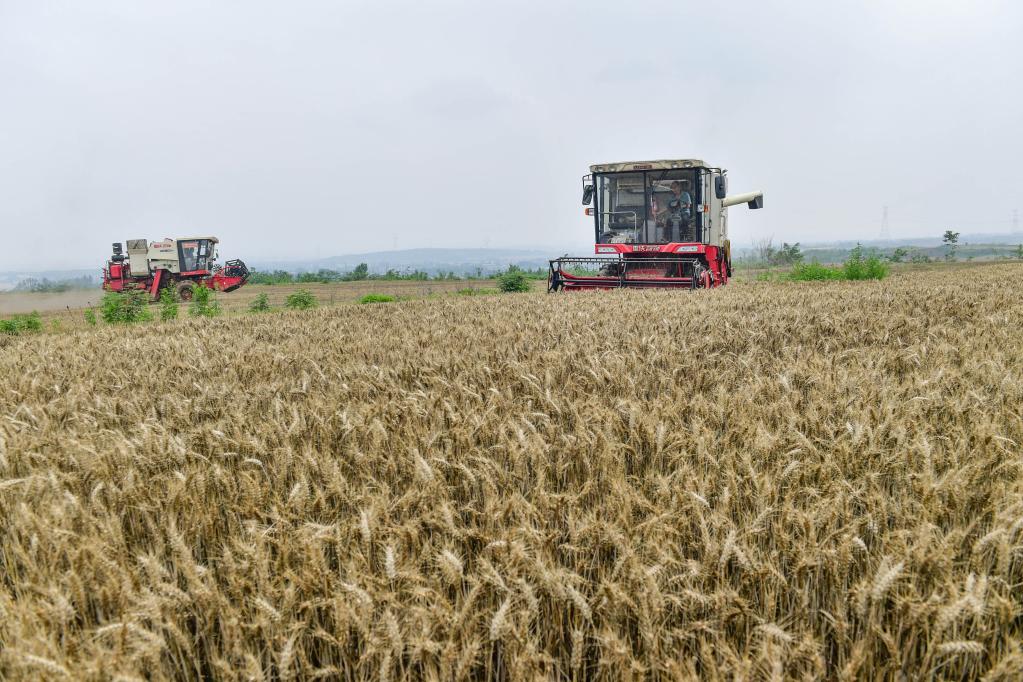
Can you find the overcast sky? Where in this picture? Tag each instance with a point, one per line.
(303, 129)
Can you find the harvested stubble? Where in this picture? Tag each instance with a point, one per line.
(770, 480)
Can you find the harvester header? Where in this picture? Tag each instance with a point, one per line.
(660, 223)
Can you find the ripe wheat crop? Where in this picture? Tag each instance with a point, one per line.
(767, 481)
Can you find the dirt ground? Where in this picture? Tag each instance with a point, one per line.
(22, 302)
(69, 303)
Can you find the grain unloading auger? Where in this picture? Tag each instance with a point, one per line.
(659, 224)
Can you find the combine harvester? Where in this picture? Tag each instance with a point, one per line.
(181, 264)
(657, 224)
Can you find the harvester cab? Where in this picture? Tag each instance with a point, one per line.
(656, 224)
(179, 264)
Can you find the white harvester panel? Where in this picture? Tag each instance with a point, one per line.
(138, 257)
(163, 255)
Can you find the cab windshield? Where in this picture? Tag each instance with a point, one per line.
(649, 207)
(194, 254)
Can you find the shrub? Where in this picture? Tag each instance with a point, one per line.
(377, 298)
(21, 323)
(168, 304)
(260, 304)
(512, 281)
(858, 266)
(814, 272)
(90, 316)
(300, 300)
(125, 308)
(204, 303)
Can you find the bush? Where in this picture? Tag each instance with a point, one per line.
(261, 304)
(814, 272)
(204, 302)
(513, 281)
(858, 266)
(125, 308)
(21, 323)
(377, 298)
(168, 304)
(300, 300)
(90, 316)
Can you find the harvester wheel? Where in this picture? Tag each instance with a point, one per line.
(185, 291)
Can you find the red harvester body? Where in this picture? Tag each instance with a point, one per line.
(657, 224)
(178, 264)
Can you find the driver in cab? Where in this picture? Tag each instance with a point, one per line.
(674, 219)
(681, 203)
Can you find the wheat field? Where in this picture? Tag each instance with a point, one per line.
(767, 481)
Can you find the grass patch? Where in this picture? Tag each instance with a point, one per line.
(20, 324)
(858, 266)
(300, 300)
(377, 298)
(814, 272)
(473, 291)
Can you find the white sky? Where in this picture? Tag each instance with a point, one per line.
(305, 129)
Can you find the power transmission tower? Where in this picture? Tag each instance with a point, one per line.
(885, 234)
(1015, 220)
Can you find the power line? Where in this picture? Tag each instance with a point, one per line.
(1015, 220)
(885, 233)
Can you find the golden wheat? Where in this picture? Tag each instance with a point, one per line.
(768, 481)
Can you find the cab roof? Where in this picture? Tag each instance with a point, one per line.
(191, 239)
(662, 164)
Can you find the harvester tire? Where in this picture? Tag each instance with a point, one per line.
(185, 290)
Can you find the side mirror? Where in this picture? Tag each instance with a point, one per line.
(587, 194)
(721, 186)
(758, 202)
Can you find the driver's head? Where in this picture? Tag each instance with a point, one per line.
(676, 187)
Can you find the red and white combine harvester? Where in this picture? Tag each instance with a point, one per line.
(656, 224)
(178, 264)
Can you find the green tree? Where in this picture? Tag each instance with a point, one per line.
(204, 303)
(514, 280)
(1019, 252)
(898, 255)
(125, 307)
(950, 240)
(260, 304)
(788, 254)
(358, 273)
(300, 300)
(168, 304)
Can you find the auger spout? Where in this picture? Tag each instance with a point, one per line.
(753, 199)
